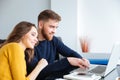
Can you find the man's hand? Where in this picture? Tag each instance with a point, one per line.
(82, 63)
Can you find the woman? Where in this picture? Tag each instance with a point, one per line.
(12, 56)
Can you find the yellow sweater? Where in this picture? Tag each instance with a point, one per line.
(12, 62)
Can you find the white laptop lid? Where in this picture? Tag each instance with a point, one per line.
(115, 55)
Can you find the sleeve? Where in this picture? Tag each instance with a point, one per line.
(56, 67)
(64, 50)
(17, 63)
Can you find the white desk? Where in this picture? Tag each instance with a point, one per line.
(111, 76)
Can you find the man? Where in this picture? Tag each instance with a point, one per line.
(50, 46)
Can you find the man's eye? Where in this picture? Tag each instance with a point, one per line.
(51, 26)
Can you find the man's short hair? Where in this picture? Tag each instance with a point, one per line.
(48, 14)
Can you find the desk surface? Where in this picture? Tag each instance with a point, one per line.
(111, 76)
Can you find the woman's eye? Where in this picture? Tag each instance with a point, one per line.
(33, 34)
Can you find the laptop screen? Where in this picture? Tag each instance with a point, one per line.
(115, 54)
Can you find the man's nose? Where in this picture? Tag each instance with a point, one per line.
(54, 30)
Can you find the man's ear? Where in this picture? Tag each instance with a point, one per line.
(40, 24)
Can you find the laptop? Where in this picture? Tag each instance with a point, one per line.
(99, 70)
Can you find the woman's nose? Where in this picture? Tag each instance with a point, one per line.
(36, 40)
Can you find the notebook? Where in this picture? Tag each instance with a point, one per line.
(97, 70)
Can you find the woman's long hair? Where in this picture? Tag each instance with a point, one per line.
(18, 32)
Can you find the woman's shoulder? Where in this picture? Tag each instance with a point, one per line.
(11, 45)
(11, 49)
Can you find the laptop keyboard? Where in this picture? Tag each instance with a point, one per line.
(98, 69)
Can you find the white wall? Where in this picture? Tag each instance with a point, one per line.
(14, 11)
(100, 21)
(67, 29)
(97, 19)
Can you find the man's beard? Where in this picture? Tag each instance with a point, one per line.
(47, 37)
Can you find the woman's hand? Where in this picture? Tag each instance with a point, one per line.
(43, 63)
